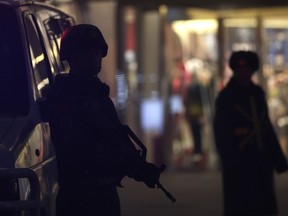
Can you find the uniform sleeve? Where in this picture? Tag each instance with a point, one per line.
(223, 132)
(219, 126)
(278, 157)
(105, 120)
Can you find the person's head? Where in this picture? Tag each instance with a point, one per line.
(244, 64)
(83, 46)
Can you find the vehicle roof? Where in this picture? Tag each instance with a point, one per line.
(18, 3)
(15, 2)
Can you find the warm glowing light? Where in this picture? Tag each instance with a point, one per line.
(38, 59)
(43, 83)
(276, 23)
(198, 26)
(247, 23)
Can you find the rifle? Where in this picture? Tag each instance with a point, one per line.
(133, 136)
(143, 154)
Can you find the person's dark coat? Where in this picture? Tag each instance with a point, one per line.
(249, 150)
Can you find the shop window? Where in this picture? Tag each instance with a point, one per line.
(239, 34)
(275, 71)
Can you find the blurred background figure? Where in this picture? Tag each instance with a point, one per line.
(195, 114)
(246, 142)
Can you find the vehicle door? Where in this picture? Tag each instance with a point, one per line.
(38, 152)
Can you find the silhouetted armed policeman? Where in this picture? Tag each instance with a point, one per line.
(247, 144)
(93, 150)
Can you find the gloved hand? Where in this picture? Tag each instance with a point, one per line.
(149, 174)
(152, 175)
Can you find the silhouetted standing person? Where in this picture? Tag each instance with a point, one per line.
(247, 144)
(92, 148)
(195, 113)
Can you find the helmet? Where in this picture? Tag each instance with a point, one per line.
(81, 36)
(244, 59)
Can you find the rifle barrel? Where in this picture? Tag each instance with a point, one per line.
(169, 195)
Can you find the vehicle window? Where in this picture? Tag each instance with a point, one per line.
(54, 24)
(39, 59)
(14, 98)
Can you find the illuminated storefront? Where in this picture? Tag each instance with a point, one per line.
(213, 35)
(155, 52)
(275, 72)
